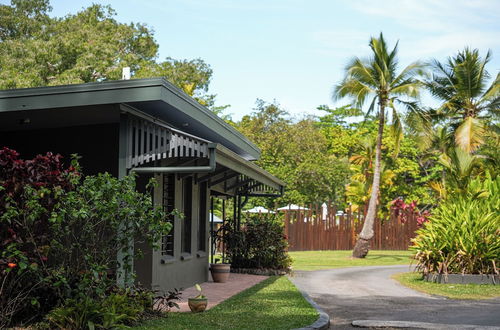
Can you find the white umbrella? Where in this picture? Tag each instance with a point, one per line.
(216, 218)
(292, 207)
(259, 209)
(324, 209)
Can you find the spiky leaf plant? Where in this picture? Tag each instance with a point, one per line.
(463, 234)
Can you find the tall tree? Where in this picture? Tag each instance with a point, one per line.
(297, 153)
(377, 77)
(467, 100)
(85, 47)
(89, 46)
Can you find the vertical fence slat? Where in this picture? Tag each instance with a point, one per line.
(310, 229)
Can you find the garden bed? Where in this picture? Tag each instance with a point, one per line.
(261, 271)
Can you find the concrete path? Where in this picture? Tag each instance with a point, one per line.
(368, 293)
(218, 292)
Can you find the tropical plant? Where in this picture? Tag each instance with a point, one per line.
(377, 77)
(116, 310)
(61, 232)
(463, 233)
(200, 292)
(358, 190)
(297, 153)
(259, 244)
(461, 84)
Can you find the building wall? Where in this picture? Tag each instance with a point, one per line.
(97, 145)
(183, 270)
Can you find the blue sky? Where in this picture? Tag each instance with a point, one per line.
(294, 51)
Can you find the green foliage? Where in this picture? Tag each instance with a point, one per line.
(260, 244)
(297, 153)
(63, 243)
(89, 46)
(461, 85)
(462, 235)
(115, 310)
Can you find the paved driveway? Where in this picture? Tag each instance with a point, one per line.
(368, 293)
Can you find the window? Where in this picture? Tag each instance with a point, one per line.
(187, 191)
(167, 244)
(202, 217)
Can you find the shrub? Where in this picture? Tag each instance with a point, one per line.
(121, 307)
(60, 234)
(259, 244)
(463, 234)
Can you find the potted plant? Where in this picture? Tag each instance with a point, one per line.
(220, 271)
(198, 303)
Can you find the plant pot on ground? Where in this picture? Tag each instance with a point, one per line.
(220, 272)
(198, 303)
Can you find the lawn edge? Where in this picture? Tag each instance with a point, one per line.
(397, 276)
(323, 321)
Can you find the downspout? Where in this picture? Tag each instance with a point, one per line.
(184, 169)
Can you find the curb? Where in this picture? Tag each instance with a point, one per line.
(323, 321)
(417, 325)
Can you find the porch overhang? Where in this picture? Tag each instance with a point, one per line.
(251, 179)
(154, 147)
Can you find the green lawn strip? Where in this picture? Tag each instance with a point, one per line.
(315, 260)
(455, 291)
(274, 303)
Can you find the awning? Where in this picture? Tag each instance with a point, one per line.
(155, 147)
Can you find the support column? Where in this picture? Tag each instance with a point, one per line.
(125, 256)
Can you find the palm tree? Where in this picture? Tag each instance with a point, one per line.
(461, 83)
(377, 77)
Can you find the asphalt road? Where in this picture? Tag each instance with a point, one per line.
(368, 293)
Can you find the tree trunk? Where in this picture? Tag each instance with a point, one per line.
(363, 242)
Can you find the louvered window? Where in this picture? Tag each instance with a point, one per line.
(167, 247)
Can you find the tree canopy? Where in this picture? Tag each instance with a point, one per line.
(89, 46)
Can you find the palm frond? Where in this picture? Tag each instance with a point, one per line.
(396, 129)
(409, 72)
(469, 135)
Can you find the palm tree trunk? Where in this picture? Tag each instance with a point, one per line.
(363, 243)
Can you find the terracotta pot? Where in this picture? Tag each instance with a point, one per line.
(197, 304)
(220, 272)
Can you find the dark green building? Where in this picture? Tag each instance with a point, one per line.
(151, 127)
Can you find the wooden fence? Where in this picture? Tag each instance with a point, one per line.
(326, 229)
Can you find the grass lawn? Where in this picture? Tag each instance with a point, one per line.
(274, 303)
(314, 260)
(455, 291)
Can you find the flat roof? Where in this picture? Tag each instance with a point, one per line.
(154, 96)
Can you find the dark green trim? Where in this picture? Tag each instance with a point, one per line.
(124, 91)
(231, 160)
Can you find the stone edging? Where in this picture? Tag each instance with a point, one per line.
(259, 271)
(323, 321)
(463, 278)
(417, 325)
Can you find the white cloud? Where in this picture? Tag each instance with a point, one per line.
(432, 15)
(446, 44)
(426, 28)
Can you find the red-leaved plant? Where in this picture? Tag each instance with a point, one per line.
(401, 210)
(25, 224)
